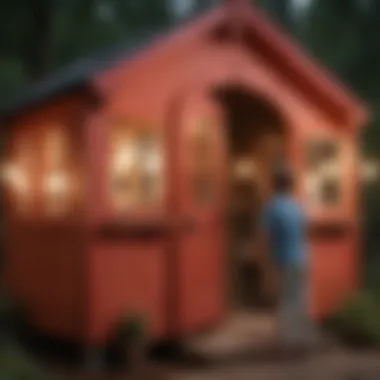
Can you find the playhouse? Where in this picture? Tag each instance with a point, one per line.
(120, 171)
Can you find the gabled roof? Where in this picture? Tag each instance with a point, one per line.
(282, 52)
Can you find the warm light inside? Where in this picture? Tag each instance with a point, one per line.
(56, 189)
(136, 167)
(330, 170)
(325, 173)
(313, 184)
(153, 162)
(15, 177)
(370, 171)
(57, 184)
(124, 157)
(244, 169)
(17, 183)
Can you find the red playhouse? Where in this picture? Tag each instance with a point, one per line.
(120, 173)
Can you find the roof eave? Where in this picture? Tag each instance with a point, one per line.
(84, 86)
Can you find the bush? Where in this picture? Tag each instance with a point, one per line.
(131, 340)
(14, 365)
(12, 316)
(131, 329)
(357, 322)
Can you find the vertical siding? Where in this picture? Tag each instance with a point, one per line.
(44, 258)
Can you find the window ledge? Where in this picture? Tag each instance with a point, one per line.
(134, 227)
(330, 228)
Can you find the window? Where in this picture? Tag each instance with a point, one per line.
(323, 177)
(57, 181)
(16, 174)
(42, 176)
(136, 166)
(123, 169)
(150, 175)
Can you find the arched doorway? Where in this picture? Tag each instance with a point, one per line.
(256, 141)
(222, 139)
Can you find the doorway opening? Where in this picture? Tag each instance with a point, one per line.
(256, 139)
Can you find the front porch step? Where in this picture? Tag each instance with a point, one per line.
(243, 334)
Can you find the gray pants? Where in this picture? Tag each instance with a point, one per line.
(294, 323)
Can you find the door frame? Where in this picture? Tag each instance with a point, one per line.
(174, 119)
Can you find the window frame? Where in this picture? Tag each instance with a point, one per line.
(313, 174)
(136, 131)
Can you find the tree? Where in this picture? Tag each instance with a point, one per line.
(38, 51)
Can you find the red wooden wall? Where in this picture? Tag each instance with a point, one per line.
(44, 262)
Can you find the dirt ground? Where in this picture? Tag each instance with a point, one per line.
(340, 365)
(231, 354)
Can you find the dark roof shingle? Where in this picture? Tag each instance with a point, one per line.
(80, 72)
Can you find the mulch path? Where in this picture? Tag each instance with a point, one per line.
(151, 372)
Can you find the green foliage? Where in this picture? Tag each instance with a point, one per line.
(12, 315)
(14, 365)
(131, 328)
(372, 274)
(357, 322)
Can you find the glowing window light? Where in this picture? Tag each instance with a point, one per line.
(370, 171)
(56, 183)
(136, 163)
(312, 187)
(123, 162)
(56, 189)
(330, 170)
(56, 145)
(151, 175)
(16, 178)
(153, 163)
(17, 182)
(244, 169)
(124, 157)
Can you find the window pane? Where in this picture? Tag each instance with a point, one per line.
(123, 168)
(136, 167)
(58, 177)
(323, 172)
(19, 181)
(330, 191)
(151, 167)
